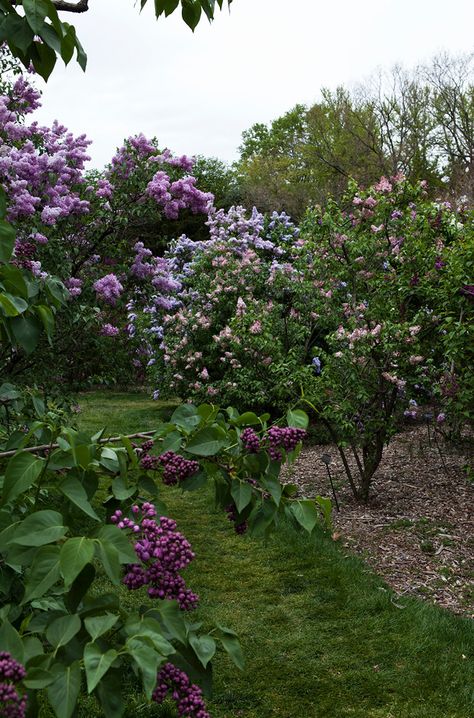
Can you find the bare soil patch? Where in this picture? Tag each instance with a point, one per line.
(417, 531)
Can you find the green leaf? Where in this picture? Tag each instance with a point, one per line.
(121, 490)
(97, 663)
(43, 574)
(306, 513)
(79, 588)
(62, 630)
(11, 642)
(75, 554)
(147, 627)
(41, 527)
(231, 644)
(64, 692)
(172, 441)
(7, 239)
(19, 33)
(148, 661)
(44, 61)
(109, 460)
(68, 43)
(191, 13)
(13, 280)
(26, 331)
(38, 678)
(274, 487)
(204, 647)
(76, 493)
(207, 442)
(11, 305)
(109, 694)
(22, 471)
(47, 318)
(115, 536)
(241, 492)
(9, 392)
(36, 11)
(109, 557)
(248, 418)
(98, 625)
(325, 504)
(194, 482)
(186, 416)
(297, 418)
(171, 617)
(81, 55)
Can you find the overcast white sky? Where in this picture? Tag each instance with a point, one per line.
(198, 92)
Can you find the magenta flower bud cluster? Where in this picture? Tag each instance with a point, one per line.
(176, 468)
(186, 695)
(250, 440)
(233, 516)
(163, 552)
(287, 437)
(12, 704)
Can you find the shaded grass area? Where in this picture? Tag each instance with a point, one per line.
(322, 635)
(120, 412)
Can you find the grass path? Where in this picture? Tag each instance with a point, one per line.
(323, 637)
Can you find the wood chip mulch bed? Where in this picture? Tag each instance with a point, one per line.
(417, 531)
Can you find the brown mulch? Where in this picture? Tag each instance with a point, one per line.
(417, 531)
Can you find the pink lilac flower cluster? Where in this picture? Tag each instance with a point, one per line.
(186, 695)
(108, 288)
(12, 704)
(163, 552)
(176, 468)
(287, 437)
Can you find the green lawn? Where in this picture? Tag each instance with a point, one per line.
(323, 636)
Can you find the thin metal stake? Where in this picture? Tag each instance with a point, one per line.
(326, 459)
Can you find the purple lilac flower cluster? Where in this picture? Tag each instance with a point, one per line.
(125, 160)
(178, 195)
(250, 440)
(287, 437)
(74, 286)
(187, 696)
(40, 167)
(109, 330)
(184, 162)
(163, 552)
(176, 468)
(108, 288)
(12, 704)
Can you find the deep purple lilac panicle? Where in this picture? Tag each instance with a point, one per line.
(12, 703)
(186, 695)
(162, 551)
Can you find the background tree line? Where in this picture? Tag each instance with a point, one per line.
(418, 122)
